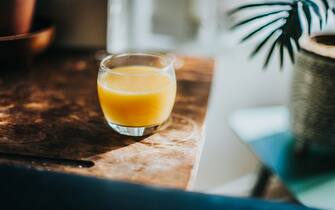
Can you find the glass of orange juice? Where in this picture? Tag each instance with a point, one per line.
(137, 92)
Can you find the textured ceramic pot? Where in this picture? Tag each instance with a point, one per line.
(313, 91)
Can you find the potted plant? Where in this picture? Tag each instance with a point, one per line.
(312, 108)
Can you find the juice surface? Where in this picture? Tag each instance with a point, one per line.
(136, 95)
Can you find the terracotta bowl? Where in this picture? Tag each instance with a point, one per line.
(19, 50)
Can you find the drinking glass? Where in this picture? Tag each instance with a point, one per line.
(137, 92)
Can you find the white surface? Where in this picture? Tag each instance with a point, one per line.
(252, 124)
(242, 186)
(238, 83)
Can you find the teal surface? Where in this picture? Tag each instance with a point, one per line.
(310, 178)
(23, 188)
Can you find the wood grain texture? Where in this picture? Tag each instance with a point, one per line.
(52, 111)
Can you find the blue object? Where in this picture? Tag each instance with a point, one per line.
(310, 178)
(22, 188)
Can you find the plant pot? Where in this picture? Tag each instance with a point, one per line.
(16, 16)
(313, 92)
(18, 51)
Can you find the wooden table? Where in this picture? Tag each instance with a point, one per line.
(50, 119)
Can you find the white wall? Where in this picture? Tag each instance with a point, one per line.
(79, 23)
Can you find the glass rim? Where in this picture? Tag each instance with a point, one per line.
(170, 59)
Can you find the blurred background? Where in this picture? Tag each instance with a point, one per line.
(191, 27)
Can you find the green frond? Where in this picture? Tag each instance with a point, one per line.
(297, 45)
(270, 53)
(277, 3)
(262, 43)
(281, 53)
(260, 29)
(290, 50)
(290, 30)
(308, 16)
(316, 10)
(326, 6)
(248, 20)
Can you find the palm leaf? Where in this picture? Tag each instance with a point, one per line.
(277, 3)
(255, 18)
(316, 10)
(326, 5)
(261, 44)
(270, 53)
(308, 17)
(290, 50)
(260, 28)
(291, 29)
(281, 53)
(296, 42)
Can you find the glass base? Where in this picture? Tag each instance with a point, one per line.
(137, 131)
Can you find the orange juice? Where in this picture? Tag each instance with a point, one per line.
(136, 95)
